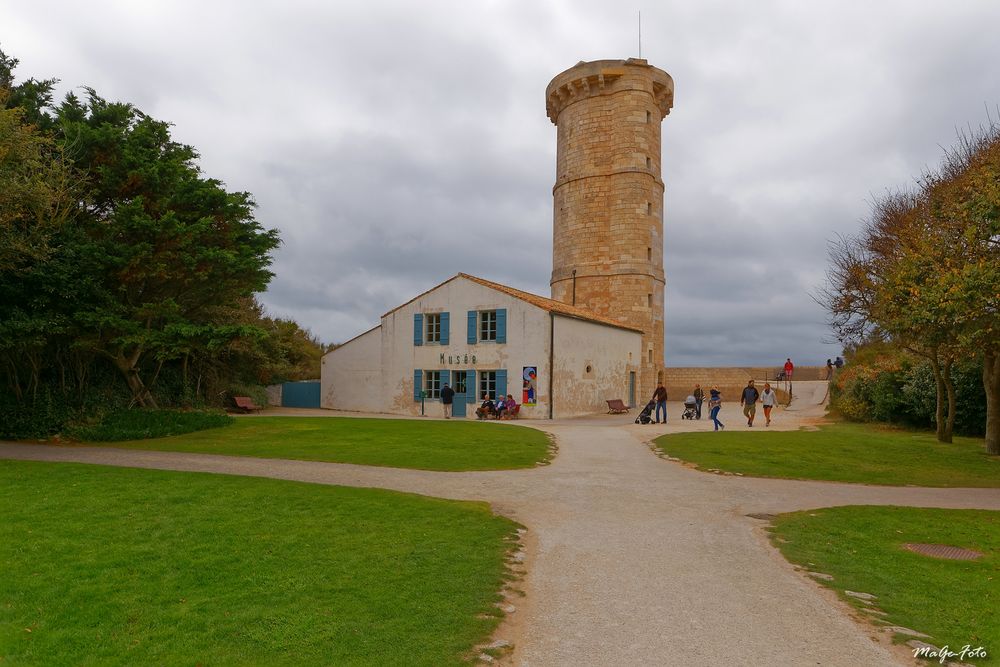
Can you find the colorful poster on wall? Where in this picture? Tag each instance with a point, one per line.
(529, 395)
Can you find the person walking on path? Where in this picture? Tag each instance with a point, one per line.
(829, 369)
(660, 396)
(714, 405)
(768, 400)
(699, 397)
(789, 367)
(749, 402)
(839, 362)
(447, 398)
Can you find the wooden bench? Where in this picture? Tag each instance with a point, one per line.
(245, 404)
(616, 406)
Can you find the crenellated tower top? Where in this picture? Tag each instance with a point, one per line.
(606, 77)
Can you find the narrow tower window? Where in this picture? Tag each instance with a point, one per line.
(649, 208)
(650, 356)
(649, 254)
(649, 300)
(649, 163)
(649, 117)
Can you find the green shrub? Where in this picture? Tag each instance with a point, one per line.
(36, 418)
(141, 424)
(897, 388)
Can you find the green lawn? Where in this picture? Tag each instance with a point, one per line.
(398, 443)
(109, 566)
(956, 602)
(840, 452)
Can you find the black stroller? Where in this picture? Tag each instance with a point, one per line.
(646, 415)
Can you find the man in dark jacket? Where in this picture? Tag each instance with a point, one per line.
(699, 397)
(660, 396)
(749, 402)
(447, 398)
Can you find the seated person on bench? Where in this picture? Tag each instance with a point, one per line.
(508, 406)
(487, 409)
(504, 406)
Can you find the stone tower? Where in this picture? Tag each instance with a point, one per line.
(607, 245)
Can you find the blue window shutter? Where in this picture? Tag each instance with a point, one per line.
(471, 388)
(501, 325)
(501, 381)
(418, 384)
(473, 321)
(445, 327)
(445, 379)
(418, 329)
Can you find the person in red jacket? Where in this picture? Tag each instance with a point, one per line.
(789, 367)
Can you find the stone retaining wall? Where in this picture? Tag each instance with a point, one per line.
(680, 381)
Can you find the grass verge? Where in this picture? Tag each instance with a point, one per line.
(105, 566)
(136, 424)
(956, 602)
(398, 443)
(841, 452)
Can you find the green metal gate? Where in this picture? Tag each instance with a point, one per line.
(300, 395)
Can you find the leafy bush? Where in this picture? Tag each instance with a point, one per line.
(889, 386)
(142, 424)
(34, 419)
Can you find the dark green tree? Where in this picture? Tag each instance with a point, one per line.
(165, 247)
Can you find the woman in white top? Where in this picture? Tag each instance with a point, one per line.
(768, 399)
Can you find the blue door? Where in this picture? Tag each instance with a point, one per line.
(461, 387)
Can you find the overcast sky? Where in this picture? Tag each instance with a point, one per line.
(395, 144)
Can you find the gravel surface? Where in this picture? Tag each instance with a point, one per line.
(632, 559)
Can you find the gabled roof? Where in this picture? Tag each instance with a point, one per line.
(548, 305)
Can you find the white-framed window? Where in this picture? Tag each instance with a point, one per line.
(488, 325)
(488, 384)
(432, 327)
(432, 384)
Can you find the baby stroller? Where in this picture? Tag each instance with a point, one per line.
(690, 408)
(645, 416)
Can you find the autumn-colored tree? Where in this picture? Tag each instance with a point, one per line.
(36, 189)
(963, 199)
(924, 272)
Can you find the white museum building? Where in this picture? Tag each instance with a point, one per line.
(481, 337)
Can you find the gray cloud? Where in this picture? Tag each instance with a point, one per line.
(395, 144)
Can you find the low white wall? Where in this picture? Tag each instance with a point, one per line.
(351, 377)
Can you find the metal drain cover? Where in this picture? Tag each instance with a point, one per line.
(943, 551)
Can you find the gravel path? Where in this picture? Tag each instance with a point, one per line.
(633, 560)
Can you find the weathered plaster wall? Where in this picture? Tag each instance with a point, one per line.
(610, 353)
(351, 376)
(527, 345)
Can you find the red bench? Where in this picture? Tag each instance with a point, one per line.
(616, 406)
(246, 404)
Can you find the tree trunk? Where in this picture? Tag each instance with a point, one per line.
(949, 426)
(128, 368)
(991, 383)
(940, 393)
